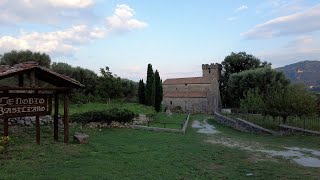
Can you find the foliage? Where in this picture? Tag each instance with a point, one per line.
(134, 107)
(177, 109)
(235, 63)
(253, 101)
(97, 88)
(150, 87)
(293, 100)
(106, 116)
(85, 76)
(4, 143)
(14, 57)
(142, 92)
(158, 91)
(262, 79)
(113, 87)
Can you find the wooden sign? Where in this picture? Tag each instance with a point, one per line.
(20, 105)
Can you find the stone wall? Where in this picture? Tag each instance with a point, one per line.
(186, 87)
(288, 130)
(242, 125)
(195, 105)
(31, 121)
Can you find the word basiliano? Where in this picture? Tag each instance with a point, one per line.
(13, 110)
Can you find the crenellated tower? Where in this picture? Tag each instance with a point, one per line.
(212, 70)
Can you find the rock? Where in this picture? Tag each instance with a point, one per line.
(168, 112)
(81, 138)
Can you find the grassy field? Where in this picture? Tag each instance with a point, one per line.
(175, 121)
(138, 154)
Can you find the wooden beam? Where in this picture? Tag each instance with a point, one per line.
(66, 118)
(36, 88)
(56, 117)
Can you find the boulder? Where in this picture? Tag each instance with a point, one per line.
(168, 112)
(81, 138)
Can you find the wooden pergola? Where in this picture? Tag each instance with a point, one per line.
(35, 97)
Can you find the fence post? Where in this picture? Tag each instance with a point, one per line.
(148, 123)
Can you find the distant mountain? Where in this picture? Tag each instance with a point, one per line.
(307, 72)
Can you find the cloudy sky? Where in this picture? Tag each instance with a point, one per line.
(175, 36)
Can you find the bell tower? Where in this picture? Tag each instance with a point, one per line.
(211, 70)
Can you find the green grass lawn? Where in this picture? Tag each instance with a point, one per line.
(139, 154)
(175, 121)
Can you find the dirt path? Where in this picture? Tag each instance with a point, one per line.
(302, 156)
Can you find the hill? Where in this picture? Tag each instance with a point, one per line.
(307, 72)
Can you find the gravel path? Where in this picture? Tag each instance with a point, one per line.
(302, 156)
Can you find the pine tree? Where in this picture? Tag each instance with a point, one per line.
(142, 92)
(150, 91)
(158, 91)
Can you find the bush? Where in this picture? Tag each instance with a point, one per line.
(104, 116)
(4, 142)
(177, 109)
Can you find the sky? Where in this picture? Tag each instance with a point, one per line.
(175, 36)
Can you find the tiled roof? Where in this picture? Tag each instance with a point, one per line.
(191, 80)
(185, 94)
(7, 71)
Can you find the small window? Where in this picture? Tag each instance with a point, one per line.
(209, 71)
(170, 102)
(185, 84)
(176, 89)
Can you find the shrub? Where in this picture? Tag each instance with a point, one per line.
(4, 142)
(104, 116)
(177, 109)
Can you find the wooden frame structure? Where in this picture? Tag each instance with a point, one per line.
(53, 84)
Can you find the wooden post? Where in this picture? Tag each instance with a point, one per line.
(66, 117)
(21, 80)
(37, 123)
(33, 79)
(38, 129)
(56, 117)
(6, 124)
(5, 127)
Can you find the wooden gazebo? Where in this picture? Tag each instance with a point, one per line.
(32, 95)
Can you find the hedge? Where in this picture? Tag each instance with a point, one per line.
(104, 116)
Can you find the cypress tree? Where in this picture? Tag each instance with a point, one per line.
(158, 91)
(141, 92)
(150, 91)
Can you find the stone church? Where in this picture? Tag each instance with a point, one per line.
(195, 94)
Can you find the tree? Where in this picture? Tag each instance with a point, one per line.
(150, 90)
(235, 63)
(261, 78)
(253, 101)
(293, 100)
(142, 92)
(14, 57)
(158, 91)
